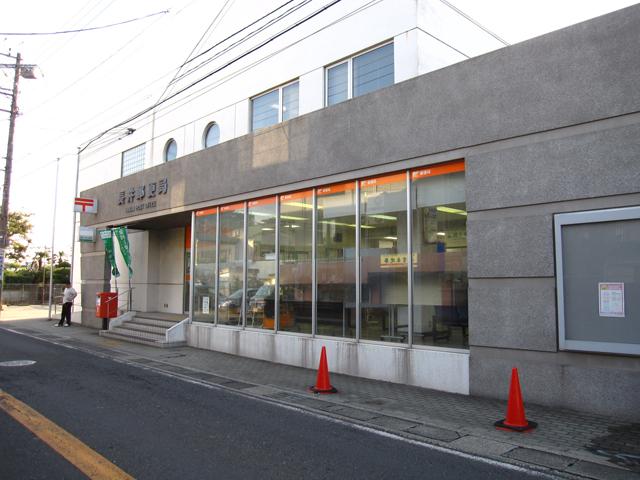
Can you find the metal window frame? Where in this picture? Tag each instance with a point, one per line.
(585, 217)
(358, 262)
(314, 259)
(276, 293)
(243, 307)
(217, 275)
(192, 266)
(409, 262)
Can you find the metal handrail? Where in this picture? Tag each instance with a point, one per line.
(117, 297)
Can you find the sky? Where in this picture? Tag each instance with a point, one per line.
(92, 80)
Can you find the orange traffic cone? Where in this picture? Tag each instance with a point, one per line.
(516, 419)
(323, 385)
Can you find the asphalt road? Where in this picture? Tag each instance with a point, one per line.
(158, 427)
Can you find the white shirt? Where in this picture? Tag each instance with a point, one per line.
(69, 294)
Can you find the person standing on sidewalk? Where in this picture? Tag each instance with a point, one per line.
(67, 302)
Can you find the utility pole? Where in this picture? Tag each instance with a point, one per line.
(4, 210)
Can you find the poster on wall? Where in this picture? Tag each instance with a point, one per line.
(205, 305)
(611, 299)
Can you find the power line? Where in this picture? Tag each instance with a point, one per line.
(195, 47)
(242, 40)
(226, 65)
(196, 93)
(475, 22)
(64, 32)
(96, 67)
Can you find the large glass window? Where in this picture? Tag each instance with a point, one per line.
(230, 276)
(296, 235)
(335, 260)
(205, 265)
(133, 160)
(276, 106)
(362, 74)
(439, 224)
(383, 258)
(261, 262)
(373, 70)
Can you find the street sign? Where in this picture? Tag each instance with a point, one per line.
(85, 205)
(87, 234)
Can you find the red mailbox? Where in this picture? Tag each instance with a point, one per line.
(107, 304)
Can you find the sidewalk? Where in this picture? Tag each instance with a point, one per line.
(566, 443)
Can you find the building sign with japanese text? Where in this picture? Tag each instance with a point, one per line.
(143, 197)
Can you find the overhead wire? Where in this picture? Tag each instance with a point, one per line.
(226, 65)
(89, 29)
(230, 77)
(242, 40)
(475, 22)
(97, 66)
(84, 123)
(50, 51)
(195, 47)
(122, 101)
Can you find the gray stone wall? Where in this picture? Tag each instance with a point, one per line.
(513, 194)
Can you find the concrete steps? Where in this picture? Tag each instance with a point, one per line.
(149, 328)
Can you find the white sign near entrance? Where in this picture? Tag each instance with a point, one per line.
(611, 299)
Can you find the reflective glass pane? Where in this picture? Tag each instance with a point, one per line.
(337, 86)
(205, 266)
(373, 70)
(261, 262)
(265, 110)
(296, 236)
(290, 101)
(171, 151)
(230, 276)
(383, 258)
(213, 135)
(439, 223)
(335, 260)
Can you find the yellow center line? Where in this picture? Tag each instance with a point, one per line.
(88, 461)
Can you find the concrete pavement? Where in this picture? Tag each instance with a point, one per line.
(566, 443)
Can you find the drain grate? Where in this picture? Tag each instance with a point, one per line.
(621, 446)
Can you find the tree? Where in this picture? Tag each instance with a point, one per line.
(40, 258)
(18, 231)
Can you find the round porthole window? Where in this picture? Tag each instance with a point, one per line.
(170, 150)
(211, 135)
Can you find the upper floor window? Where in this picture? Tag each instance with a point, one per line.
(361, 74)
(170, 150)
(133, 160)
(275, 106)
(211, 135)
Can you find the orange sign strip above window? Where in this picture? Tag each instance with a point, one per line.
(262, 201)
(296, 196)
(208, 211)
(337, 188)
(385, 180)
(233, 206)
(441, 169)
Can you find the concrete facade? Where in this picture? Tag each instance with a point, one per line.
(548, 126)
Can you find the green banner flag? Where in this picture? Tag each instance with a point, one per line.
(123, 241)
(106, 236)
